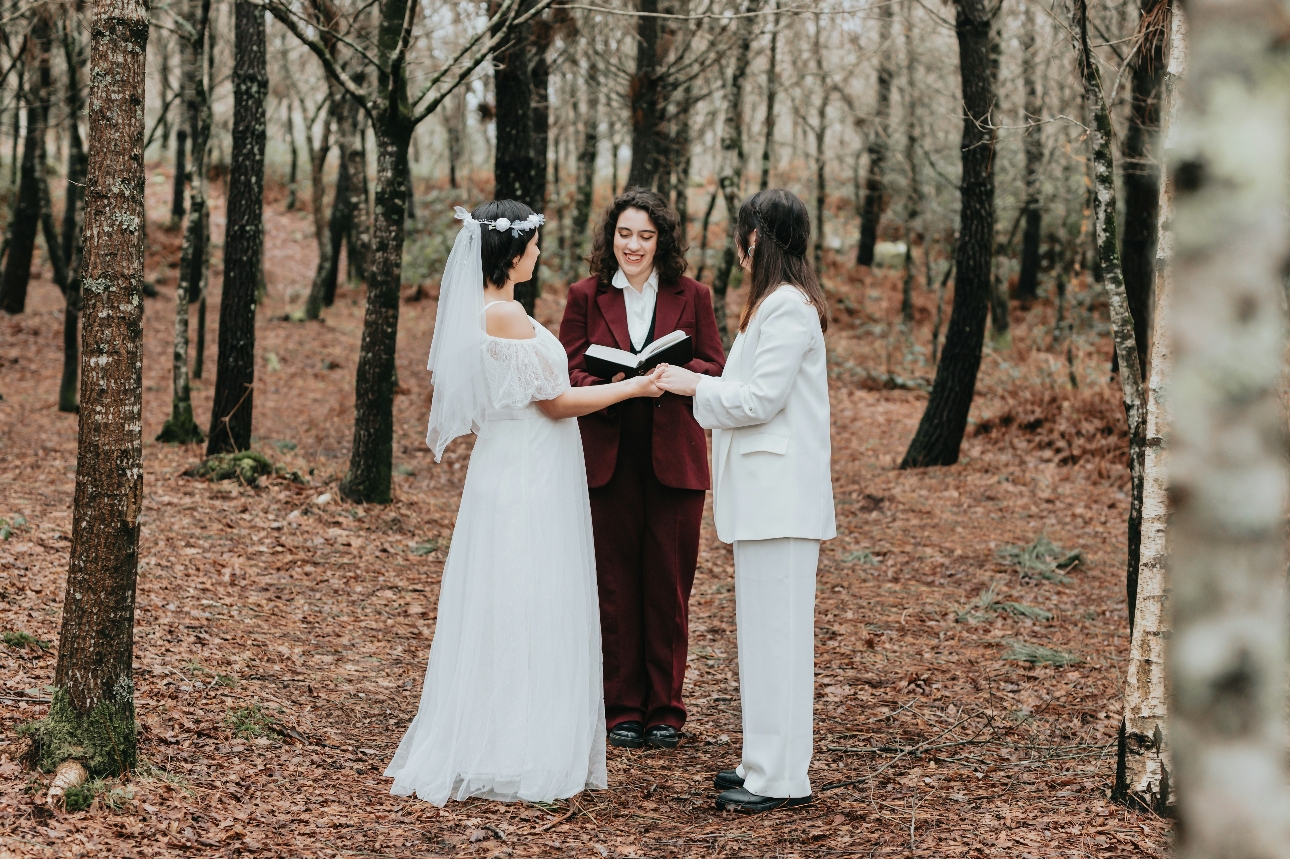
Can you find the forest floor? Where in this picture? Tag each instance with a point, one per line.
(282, 635)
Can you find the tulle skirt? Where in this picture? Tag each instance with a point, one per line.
(513, 702)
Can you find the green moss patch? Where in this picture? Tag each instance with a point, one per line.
(105, 739)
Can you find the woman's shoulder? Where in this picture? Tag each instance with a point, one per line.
(507, 320)
(789, 295)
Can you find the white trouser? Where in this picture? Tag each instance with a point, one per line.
(775, 618)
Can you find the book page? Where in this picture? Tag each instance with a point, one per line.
(616, 356)
(662, 343)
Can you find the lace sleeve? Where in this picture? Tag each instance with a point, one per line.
(521, 371)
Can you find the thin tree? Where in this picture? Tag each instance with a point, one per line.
(875, 189)
(91, 716)
(940, 431)
(73, 215)
(317, 154)
(914, 194)
(1227, 460)
(1126, 349)
(180, 427)
(586, 162)
(233, 406)
(25, 222)
(731, 160)
(821, 130)
(1033, 146)
(394, 113)
(772, 89)
(1141, 170)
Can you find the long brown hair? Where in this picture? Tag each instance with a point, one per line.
(669, 256)
(783, 228)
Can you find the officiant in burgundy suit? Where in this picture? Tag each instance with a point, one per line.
(647, 463)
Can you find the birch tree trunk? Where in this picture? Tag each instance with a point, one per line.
(1144, 766)
(875, 189)
(731, 161)
(1227, 466)
(1126, 349)
(233, 407)
(91, 716)
(940, 431)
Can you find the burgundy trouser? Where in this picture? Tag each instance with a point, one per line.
(647, 544)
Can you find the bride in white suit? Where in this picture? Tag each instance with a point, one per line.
(772, 494)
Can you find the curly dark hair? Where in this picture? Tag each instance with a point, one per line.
(500, 249)
(669, 258)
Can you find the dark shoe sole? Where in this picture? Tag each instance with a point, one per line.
(626, 742)
(720, 782)
(657, 743)
(760, 807)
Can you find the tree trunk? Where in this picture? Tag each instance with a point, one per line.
(454, 122)
(587, 164)
(875, 190)
(295, 157)
(1141, 174)
(233, 407)
(646, 100)
(940, 432)
(914, 203)
(682, 158)
(731, 163)
(1033, 108)
(1227, 466)
(358, 235)
(73, 220)
(372, 453)
(703, 232)
(177, 198)
(26, 211)
(772, 88)
(527, 293)
(92, 713)
(318, 190)
(1126, 350)
(338, 225)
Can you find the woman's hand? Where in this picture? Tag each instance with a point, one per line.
(647, 385)
(677, 380)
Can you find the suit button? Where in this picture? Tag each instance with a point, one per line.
(658, 404)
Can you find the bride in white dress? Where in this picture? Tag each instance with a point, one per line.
(512, 706)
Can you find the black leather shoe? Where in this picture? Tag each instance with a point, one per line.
(627, 735)
(740, 800)
(663, 736)
(727, 780)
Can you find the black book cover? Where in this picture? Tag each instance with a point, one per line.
(605, 362)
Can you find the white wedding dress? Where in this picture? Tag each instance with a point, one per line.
(512, 706)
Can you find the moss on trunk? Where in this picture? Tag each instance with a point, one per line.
(105, 739)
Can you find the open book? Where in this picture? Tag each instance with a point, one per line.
(606, 362)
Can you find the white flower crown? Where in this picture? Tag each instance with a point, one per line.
(532, 222)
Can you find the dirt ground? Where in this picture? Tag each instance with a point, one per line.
(282, 635)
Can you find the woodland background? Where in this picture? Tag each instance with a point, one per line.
(970, 691)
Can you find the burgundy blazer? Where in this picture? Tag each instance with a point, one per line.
(597, 313)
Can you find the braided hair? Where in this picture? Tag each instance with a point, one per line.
(774, 228)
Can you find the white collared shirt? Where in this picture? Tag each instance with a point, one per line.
(640, 306)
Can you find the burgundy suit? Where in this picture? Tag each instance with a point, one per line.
(647, 471)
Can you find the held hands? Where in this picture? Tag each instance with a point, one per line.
(676, 380)
(647, 385)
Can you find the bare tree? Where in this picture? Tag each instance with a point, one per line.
(73, 216)
(772, 89)
(92, 713)
(180, 427)
(875, 190)
(393, 113)
(731, 170)
(233, 408)
(25, 221)
(1227, 462)
(1141, 169)
(1032, 110)
(940, 432)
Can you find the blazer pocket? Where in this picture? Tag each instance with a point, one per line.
(763, 442)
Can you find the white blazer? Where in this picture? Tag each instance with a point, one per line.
(769, 416)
